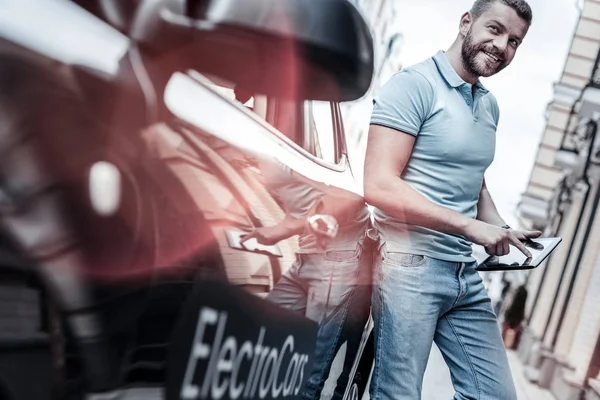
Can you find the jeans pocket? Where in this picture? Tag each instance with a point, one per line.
(344, 255)
(403, 259)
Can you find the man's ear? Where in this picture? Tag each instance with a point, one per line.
(465, 23)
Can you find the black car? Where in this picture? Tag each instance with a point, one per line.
(129, 168)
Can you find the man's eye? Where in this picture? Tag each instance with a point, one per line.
(494, 28)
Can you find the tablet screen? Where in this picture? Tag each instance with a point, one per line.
(517, 259)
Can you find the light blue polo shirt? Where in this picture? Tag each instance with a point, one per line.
(455, 129)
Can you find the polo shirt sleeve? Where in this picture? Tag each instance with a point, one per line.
(495, 110)
(404, 103)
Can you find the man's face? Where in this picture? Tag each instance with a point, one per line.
(492, 40)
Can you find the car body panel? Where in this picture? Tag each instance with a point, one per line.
(188, 172)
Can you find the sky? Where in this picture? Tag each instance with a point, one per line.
(523, 89)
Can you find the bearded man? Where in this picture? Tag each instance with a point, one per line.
(431, 139)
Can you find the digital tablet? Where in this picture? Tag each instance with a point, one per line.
(514, 260)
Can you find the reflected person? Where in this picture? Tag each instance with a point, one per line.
(328, 283)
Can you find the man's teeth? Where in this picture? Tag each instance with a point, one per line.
(492, 56)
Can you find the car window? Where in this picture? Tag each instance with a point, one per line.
(310, 124)
(251, 101)
(320, 128)
(286, 116)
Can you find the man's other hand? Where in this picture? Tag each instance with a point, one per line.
(497, 240)
(526, 236)
(267, 235)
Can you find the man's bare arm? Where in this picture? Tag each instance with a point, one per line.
(487, 212)
(388, 152)
(340, 208)
(486, 209)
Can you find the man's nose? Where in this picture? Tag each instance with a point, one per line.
(500, 43)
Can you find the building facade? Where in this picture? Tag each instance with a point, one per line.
(560, 344)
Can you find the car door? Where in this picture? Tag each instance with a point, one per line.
(118, 280)
(274, 137)
(310, 133)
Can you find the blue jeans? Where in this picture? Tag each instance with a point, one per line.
(418, 300)
(333, 289)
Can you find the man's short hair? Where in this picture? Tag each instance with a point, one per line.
(520, 6)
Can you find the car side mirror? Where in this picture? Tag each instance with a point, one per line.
(302, 49)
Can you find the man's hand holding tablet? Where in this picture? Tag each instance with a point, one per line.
(515, 259)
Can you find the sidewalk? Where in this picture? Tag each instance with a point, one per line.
(525, 389)
(437, 384)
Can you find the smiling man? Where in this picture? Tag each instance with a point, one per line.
(432, 137)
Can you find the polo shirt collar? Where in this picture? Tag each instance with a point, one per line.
(450, 75)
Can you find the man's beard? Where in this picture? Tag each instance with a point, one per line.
(469, 53)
